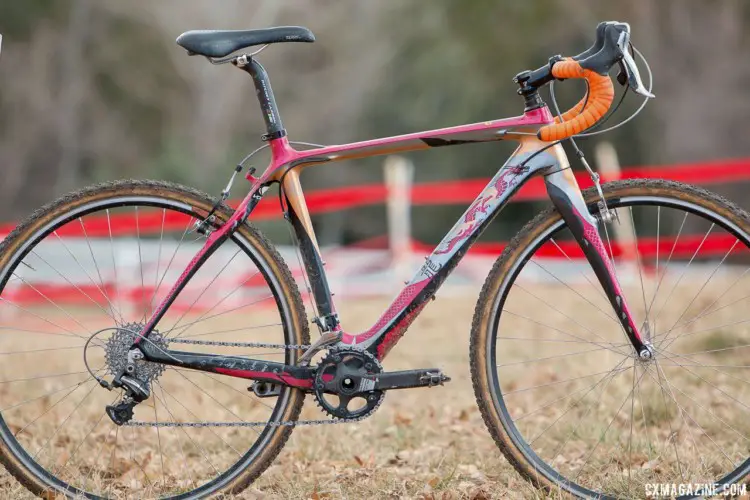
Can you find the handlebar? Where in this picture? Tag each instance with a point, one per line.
(579, 118)
(592, 65)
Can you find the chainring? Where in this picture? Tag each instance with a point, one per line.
(118, 345)
(348, 374)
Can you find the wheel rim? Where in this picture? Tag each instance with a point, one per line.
(572, 418)
(179, 462)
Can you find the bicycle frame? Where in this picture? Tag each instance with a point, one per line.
(532, 157)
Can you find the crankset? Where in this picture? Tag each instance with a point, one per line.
(349, 376)
(345, 383)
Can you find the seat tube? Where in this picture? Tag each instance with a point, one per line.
(565, 194)
(299, 217)
(271, 116)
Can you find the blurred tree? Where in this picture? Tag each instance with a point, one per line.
(98, 90)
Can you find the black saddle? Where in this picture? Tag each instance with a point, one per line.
(219, 43)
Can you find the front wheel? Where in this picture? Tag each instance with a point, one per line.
(83, 275)
(563, 393)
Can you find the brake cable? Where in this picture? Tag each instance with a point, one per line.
(605, 213)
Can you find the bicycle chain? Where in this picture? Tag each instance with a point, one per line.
(282, 423)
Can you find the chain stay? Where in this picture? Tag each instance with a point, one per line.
(283, 423)
(263, 345)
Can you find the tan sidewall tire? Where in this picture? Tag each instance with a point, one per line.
(202, 203)
(496, 280)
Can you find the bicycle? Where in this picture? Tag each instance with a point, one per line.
(114, 427)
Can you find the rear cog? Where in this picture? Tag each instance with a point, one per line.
(345, 383)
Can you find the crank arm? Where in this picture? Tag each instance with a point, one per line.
(233, 366)
(408, 379)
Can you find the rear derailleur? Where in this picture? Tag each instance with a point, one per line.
(136, 391)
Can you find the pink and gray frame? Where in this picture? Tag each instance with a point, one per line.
(532, 157)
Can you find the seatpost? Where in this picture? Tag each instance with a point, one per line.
(274, 127)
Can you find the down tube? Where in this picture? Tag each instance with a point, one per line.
(392, 325)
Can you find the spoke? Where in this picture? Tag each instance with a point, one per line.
(709, 329)
(643, 416)
(11, 353)
(114, 263)
(199, 420)
(609, 377)
(99, 273)
(80, 444)
(54, 304)
(682, 411)
(93, 282)
(98, 454)
(204, 290)
(638, 261)
(707, 311)
(578, 339)
(219, 314)
(658, 221)
(218, 379)
(140, 267)
(49, 440)
(56, 375)
(556, 356)
(685, 367)
(211, 397)
(672, 434)
(597, 287)
(695, 422)
(197, 447)
(682, 274)
(601, 438)
(97, 304)
(666, 266)
(588, 330)
(713, 415)
(669, 331)
(38, 332)
(88, 379)
(134, 460)
(557, 382)
(547, 405)
(158, 440)
(45, 412)
(575, 291)
(210, 310)
(233, 330)
(177, 431)
(632, 411)
(536, 339)
(69, 332)
(695, 353)
(112, 458)
(158, 261)
(171, 259)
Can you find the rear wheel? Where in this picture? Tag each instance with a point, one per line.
(560, 387)
(93, 265)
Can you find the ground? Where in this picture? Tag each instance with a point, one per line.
(421, 443)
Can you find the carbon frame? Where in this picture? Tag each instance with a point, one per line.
(532, 157)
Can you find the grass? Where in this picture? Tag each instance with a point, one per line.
(429, 443)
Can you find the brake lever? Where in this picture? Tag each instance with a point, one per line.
(629, 73)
